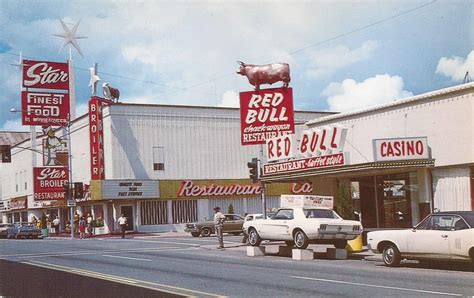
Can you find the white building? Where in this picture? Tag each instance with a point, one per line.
(163, 165)
(403, 160)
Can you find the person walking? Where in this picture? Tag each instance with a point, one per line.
(122, 221)
(89, 225)
(82, 227)
(56, 222)
(219, 219)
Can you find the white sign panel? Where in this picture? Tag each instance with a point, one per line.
(130, 189)
(282, 147)
(306, 201)
(401, 149)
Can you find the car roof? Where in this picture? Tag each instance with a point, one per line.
(467, 215)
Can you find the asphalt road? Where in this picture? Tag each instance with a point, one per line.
(186, 266)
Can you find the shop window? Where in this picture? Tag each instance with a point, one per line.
(98, 215)
(154, 212)
(158, 158)
(394, 189)
(184, 211)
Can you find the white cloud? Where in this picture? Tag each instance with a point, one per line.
(230, 99)
(456, 67)
(14, 125)
(327, 61)
(350, 95)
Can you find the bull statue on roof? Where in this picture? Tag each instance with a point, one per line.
(265, 74)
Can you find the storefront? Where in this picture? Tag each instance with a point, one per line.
(395, 163)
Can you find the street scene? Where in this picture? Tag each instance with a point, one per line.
(241, 149)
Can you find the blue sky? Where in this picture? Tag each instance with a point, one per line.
(343, 55)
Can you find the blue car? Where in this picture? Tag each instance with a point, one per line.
(23, 230)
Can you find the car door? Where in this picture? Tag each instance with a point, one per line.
(460, 239)
(277, 228)
(430, 239)
(230, 223)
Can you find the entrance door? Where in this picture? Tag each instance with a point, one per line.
(127, 211)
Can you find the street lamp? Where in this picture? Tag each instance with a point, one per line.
(67, 128)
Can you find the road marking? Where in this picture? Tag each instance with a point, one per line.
(375, 286)
(128, 258)
(129, 281)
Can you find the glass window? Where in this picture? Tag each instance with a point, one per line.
(158, 158)
(185, 211)
(459, 224)
(284, 214)
(319, 213)
(154, 212)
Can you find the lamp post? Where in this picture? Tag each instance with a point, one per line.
(67, 128)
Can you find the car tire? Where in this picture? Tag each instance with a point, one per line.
(290, 243)
(195, 234)
(254, 238)
(391, 255)
(340, 244)
(300, 239)
(206, 232)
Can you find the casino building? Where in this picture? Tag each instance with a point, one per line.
(397, 162)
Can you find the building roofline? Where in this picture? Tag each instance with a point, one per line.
(400, 102)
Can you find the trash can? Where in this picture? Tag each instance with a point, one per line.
(45, 232)
(355, 245)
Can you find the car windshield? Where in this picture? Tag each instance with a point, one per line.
(319, 213)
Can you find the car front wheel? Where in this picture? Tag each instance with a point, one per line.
(254, 238)
(206, 232)
(300, 239)
(391, 255)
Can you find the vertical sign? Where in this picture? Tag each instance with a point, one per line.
(96, 139)
(266, 114)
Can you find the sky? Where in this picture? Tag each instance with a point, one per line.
(343, 55)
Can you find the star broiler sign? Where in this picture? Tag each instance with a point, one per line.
(317, 148)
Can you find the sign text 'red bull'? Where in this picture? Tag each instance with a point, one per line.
(265, 114)
(49, 182)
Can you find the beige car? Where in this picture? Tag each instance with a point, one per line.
(232, 224)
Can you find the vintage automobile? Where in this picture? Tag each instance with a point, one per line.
(23, 230)
(441, 235)
(301, 226)
(232, 224)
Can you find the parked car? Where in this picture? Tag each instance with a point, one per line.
(232, 224)
(3, 230)
(441, 235)
(253, 216)
(23, 230)
(301, 226)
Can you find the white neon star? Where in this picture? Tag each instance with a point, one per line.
(70, 37)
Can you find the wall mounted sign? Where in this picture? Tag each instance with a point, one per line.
(401, 149)
(48, 183)
(96, 138)
(130, 189)
(265, 114)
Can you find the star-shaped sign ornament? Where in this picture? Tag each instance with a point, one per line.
(70, 37)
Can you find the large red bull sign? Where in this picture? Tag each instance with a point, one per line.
(49, 183)
(265, 114)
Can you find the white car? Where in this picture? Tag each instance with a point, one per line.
(300, 226)
(442, 235)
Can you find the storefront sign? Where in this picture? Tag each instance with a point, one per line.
(48, 204)
(49, 183)
(96, 136)
(298, 165)
(401, 149)
(4, 206)
(265, 114)
(18, 203)
(44, 108)
(130, 189)
(306, 201)
(45, 75)
(189, 189)
(299, 188)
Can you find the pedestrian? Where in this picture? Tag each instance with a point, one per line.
(56, 222)
(89, 225)
(122, 221)
(219, 219)
(82, 227)
(245, 238)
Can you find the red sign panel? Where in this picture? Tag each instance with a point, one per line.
(45, 75)
(96, 139)
(49, 183)
(298, 165)
(265, 114)
(44, 108)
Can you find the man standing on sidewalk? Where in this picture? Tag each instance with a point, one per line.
(122, 221)
(219, 219)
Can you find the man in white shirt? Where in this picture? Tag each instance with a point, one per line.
(219, 219)
(122, 221)
(56, 222)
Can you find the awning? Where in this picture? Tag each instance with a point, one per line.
(363, 169)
